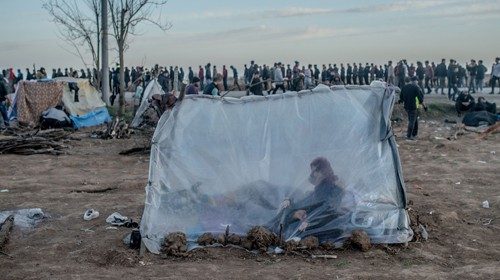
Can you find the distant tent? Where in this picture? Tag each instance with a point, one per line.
(226, 163)
(32, 98)
(89, 110)
(151, 89)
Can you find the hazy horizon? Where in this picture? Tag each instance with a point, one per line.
(233, 33)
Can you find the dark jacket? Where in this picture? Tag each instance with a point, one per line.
(410, 93)
(462, 97)
(481, 70)
(440, 70)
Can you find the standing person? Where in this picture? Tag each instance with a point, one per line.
(246, 74)
(452, 79)
(3, 97)
(429, 76)
(265, 77)
(278, 79)
(256, 87)
(495, 75)
(316, 74)
(420, 72)
(361, 73)
(354, 74)
(235, 77)
(213, 87)
(308, 77)
(201, 76)
(472, 69)
(190, 75)
(349, 74)
(208, 75)
(441, 74)
(224, 77)
(342, 73)
(19, 76)
(410, 95)
(288, 77)
(367, 74)
(481, 70)
(127, 77)
(390, 73)
(176, 80)
(295, 77)
(401, 74)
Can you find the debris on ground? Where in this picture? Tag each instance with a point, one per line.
(24, 218)
(136, 151)
(486, 204)
(261, 238)
(206, 239)
(90, 214)
(175, 244)
(49, 141)
(310, 243)
(360, 239)
(5, 228)
(117, 129)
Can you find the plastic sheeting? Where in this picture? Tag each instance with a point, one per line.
(92, 118)
(151, 89)
(224, 161)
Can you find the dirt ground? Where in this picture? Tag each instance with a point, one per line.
(446, 181)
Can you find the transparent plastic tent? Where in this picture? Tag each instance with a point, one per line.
(152, 88)
(219, 162)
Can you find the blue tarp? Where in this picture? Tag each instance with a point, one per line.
(93, 118)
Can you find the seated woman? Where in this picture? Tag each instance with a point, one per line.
(314, 214)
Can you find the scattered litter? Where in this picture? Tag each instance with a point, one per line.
(142, 263)
(88, 229)
(432, 212)
(438, 138)
(486, 221)
(324, 256)
(492, 152)
(486, 204)
(423, 232)
(112, 228)
(480, 161)
(457, 183)
(90, 214)
(278, 250)
(4, 191)
(24, 218)
(294, 239)
(117, 219)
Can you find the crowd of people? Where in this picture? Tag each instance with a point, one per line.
(257, 79)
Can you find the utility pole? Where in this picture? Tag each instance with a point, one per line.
(104, 52)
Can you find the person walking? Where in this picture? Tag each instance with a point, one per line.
(278, 79)
(452, 79)
(411, 96)
(235, 77)
(441, 74)
(429, 76)
(224, 77)
(481, 70)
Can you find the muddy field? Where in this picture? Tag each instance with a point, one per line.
(446, 181)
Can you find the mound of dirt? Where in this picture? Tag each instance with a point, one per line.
(175, 244)
(206, 239)
(310, 242)
(234, 239)
(359, 239)
(261, 238)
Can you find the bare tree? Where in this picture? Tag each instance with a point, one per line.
(125, 16)
(78, 22)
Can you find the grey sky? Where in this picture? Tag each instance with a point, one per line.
(314, 31)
